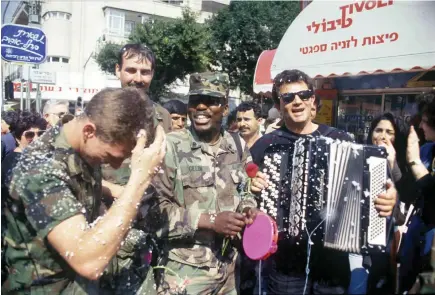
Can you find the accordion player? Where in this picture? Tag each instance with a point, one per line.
(322, 191)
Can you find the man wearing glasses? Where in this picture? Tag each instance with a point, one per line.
(54, 111)
(201, 201)
(286, 268)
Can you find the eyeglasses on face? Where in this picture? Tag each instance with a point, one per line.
(195, 100)
(60, 115)
(289, 97)
(31, 134)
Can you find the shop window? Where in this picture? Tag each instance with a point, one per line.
(356, 112)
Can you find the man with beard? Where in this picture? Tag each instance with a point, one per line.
(249, 121)
(286, 268)
(203, 202)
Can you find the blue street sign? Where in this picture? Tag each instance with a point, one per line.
(23, 44)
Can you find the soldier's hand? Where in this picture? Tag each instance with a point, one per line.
(145, 162)
(229, 223)
(250, 215)
(259, 182)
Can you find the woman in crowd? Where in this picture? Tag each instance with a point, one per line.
(385, 132)
(425, 179)
(28, 128)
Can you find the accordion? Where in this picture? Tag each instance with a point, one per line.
(322, 191)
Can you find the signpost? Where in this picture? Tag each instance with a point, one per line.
(43, 77)
(23, 44)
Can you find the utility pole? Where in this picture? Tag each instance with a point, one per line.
(33, 8)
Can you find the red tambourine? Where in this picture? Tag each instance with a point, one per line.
(261, 237)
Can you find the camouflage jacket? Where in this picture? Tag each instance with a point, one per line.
(121, 175)
(50, 184)
(195, 181)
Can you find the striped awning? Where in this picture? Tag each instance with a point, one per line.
(262, 76)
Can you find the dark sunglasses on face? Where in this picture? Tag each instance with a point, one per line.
(60, 115)
(31, 134)
(290, 96)
(207, 100)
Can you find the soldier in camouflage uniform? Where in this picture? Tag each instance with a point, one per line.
(135, 68)
(202, 196)
(56, 242)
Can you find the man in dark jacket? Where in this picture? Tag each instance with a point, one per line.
(286, 268)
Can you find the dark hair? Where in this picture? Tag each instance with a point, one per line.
(27, 121)
(119, 114)
(232, 117)
(176, 106)
(275, 96)
(399, 141)
(11, 118)
(291, 76)
(249, 105)
(426, 106)
(140, 51)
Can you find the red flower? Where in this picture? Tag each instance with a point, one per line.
(251, 169)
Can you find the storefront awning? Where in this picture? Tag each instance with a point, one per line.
(262, 78)
(345, 38)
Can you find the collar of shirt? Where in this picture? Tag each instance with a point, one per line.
(226, 145)
(76, 165)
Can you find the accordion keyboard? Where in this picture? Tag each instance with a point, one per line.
(377, 225)
(323, 190)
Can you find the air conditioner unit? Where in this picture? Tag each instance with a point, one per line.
(34, 18)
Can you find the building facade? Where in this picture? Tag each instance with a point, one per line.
(76, 30)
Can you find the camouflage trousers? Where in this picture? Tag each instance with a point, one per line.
(128, 272)
(185, 279)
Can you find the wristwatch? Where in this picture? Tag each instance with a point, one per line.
(213, 217)
(416, 162)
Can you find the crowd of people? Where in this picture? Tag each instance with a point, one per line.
(127, 198)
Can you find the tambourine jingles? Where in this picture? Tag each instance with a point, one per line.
(261, 237)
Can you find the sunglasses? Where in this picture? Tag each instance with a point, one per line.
(60, 115)
(290, 96)
(136, 46)
(31, 134)
(207, 100)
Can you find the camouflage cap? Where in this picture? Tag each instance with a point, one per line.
(213, 84)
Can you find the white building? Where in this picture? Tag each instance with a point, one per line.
(76, 30)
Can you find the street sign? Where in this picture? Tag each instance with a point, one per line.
(23, 44)
(43, 77)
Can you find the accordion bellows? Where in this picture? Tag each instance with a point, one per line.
(322, 191)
